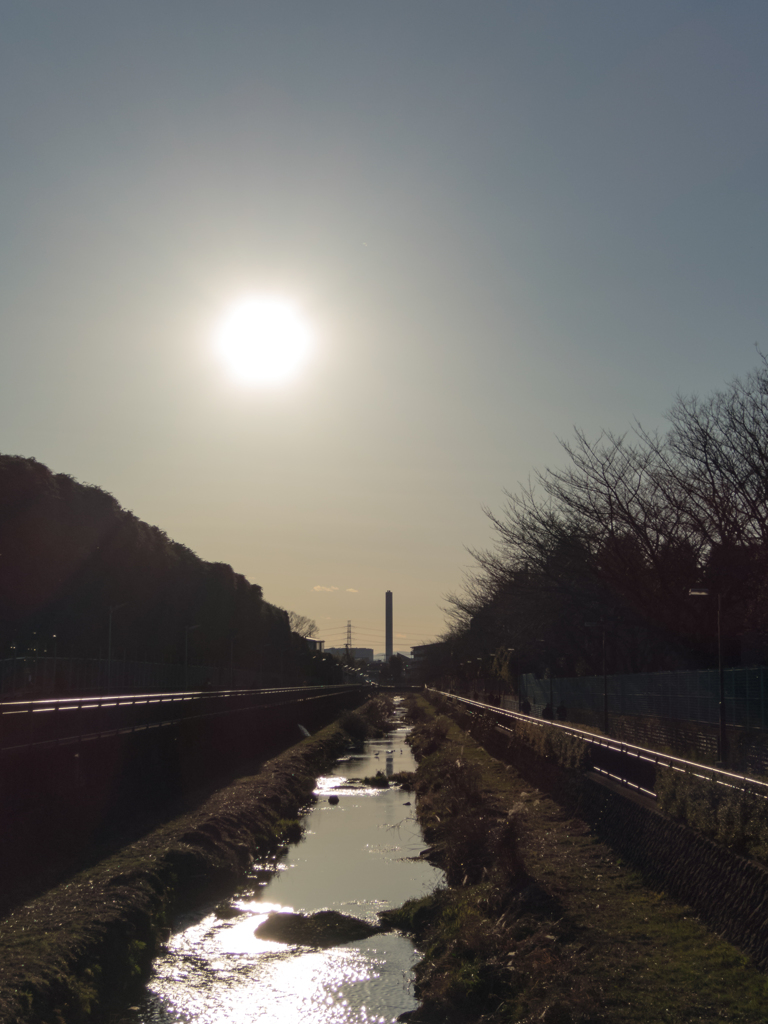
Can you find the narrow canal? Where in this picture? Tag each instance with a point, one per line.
(359, 856)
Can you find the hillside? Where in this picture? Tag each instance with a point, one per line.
(69, 552)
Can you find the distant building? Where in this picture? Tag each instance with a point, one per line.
(432, 661)
(359, 653)
(424, 651)
(314, 644)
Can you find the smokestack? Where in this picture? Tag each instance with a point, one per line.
(388, 624)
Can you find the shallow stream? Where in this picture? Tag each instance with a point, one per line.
(358, 857)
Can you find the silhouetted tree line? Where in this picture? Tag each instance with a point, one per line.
(69, 553)
(596, 560)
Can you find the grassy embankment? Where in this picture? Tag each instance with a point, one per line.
(542, 922)
(84, 948)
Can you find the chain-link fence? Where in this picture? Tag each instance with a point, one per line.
(683, 696)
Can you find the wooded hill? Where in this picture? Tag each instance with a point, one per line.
(69, 553)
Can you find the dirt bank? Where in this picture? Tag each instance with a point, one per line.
(84, 948)
(543, 922)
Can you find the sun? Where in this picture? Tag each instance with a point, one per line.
(263, 340)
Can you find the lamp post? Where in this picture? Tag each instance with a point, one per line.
(601, 625)
(510, 651)
(187, 631)
(53, 637)
(112, 608)
(704, 592)
(547, 668)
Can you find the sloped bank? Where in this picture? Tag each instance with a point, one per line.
(540, 920)
(727, 890)
(83, 949)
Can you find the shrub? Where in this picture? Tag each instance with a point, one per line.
(417, 916)
(458, 783)
(379, 712)
(461, 975)
(733, 817)
(476, 847)
(565, 750)
(415, 710)
(406, 780)
(289, 830)
(379, 780)
(354, 725)
(428, 736)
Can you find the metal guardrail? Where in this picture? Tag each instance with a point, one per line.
(624, 758)
(48, 723)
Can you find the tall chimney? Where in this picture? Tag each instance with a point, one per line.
(388, 624)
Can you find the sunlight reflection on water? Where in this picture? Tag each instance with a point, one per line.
(357, 858)
(217, 971)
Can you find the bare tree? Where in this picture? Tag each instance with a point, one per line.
(301, 624)
(623, 530)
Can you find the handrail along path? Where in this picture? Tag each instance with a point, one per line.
(50, 723)
(631, 766)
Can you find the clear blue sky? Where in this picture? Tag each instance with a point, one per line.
(501, 220)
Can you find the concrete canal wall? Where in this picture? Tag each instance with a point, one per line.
(63, 802)
(85, 946)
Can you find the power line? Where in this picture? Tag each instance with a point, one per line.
(371, 629)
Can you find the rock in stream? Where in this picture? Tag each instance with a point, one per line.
(325, 928)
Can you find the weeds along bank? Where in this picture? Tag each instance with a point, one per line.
(541, 921)
(734, 818)
(85, 947)
(66, 805)
(703, 842)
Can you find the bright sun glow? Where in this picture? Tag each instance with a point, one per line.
(263, 340)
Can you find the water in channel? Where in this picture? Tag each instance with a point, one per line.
(357, 858)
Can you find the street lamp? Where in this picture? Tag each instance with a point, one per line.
(54, 662)
(547, 668)
(510, 651)
(704, 592)
(601, 625)
(187, 631)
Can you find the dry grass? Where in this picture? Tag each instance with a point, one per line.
(573, 938)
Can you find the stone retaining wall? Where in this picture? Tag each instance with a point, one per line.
(728, 892)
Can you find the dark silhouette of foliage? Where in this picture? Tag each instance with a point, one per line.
(610, 545)
(69, 553)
